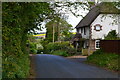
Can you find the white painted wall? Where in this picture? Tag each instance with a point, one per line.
(107, 24)
(86, 36)
(119, 26)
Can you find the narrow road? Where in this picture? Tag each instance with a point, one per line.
(51, 66)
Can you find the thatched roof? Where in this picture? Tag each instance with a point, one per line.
(102, 8)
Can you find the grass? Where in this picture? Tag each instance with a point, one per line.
(106, 60)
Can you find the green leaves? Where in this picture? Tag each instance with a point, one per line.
(107, 60)
(59, 48)
(59, 27)
(17, 19)
(112, 35)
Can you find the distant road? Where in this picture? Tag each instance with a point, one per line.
(51, 66)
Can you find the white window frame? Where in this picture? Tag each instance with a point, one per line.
(96, 44)
(80, 30)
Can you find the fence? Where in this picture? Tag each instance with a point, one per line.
(110, 46)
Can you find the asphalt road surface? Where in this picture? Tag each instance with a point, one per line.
(51, 66)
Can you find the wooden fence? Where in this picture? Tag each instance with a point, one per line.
(110, 46)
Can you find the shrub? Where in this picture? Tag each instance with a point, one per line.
(60, 53)
(64, 46)
(85, 52)
(71, 51)
(33, 48)
(112, 35)
(99, 51)
(40, 51)
(15, 58)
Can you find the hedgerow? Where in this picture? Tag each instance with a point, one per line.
(18, 18)
(107, 60)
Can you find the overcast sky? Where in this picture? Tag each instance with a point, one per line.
(73, 20)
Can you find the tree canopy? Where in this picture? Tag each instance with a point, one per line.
(57, 28)
(17, 19)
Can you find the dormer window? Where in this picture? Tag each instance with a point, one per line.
(97, 27)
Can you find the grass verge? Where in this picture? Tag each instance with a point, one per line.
(106, 60)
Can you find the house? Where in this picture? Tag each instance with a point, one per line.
(101, 19)
(75, 41)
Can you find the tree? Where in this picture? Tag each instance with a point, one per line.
(19, 18)
(57, 28)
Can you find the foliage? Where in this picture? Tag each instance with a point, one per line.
(19, 18)
(58, 28)
(59, 46)
(112, 35)
(32, 44)
(99, 51)
(67, 36)
(72, 7)
(60, 53)
(15, 57)
(108, 60)
(33, 49)
(56, 46)
(44, 42)
(16, 67)
(85, 52)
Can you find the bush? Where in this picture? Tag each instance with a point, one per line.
(99, 51)
(33, 48)
(108, 60)
(40, 51)
(85, 52)
(15, 58)
(112, 35)
(64, 46)
(60, 53)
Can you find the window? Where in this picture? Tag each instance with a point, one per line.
(81, 30)
(97, 27)
(78, 30)
(97, 44)
(84, 31)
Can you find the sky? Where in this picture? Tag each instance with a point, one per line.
(73, 20)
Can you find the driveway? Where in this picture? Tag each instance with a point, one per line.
(52, 66)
